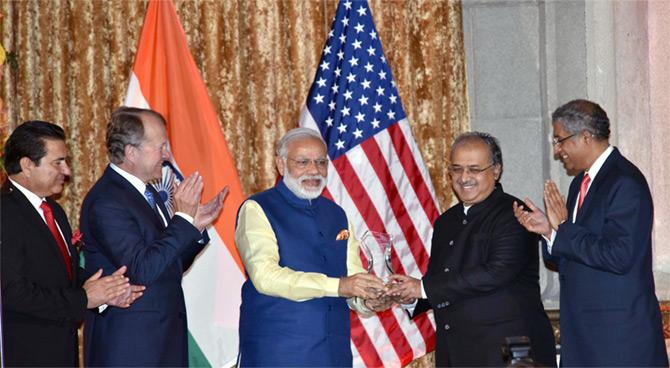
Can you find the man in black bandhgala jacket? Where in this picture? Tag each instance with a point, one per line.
(482, 279)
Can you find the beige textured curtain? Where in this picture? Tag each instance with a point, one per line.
(257, 58)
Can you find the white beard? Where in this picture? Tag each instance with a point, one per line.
(295, 185)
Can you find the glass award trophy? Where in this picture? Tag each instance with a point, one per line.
(377, 247)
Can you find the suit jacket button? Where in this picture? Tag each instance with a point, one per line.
(451, 242)
(446, 304)
(447, 327)
(446, 269)
(465, 222)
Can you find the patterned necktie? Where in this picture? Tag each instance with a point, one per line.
(582, 190)
(149, 195)
(51, 223)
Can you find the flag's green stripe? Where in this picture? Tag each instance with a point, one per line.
(196, 358)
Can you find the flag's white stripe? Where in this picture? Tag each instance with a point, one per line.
(212, 315)
(383, 345)
(372, 185)
(409, 138)
(411, 331)
(372, 325)
(212, 307)
(420, 220)
(408, 196)
(357, 359)
(134, 97)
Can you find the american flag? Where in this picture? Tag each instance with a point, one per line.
(376, 173)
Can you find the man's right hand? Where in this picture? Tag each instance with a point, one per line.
(187, 195)
(362, 285)
(99, 290)
(534, 221)
(404, 289)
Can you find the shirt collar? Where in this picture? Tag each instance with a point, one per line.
(598, 163)
(33, 198)
(136, 182)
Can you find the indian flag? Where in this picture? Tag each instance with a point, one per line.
(165, 79)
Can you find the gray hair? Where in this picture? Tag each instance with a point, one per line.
(583, 115)
(126, 128)
(295, 134)
(491, 142)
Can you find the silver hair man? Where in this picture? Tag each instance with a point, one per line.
(303, 164)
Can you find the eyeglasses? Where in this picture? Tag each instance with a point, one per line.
(303, 163)
(474, 170)
(556, 141)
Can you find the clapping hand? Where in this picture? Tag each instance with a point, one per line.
(534, 220)
(554, 202)
(208, 212)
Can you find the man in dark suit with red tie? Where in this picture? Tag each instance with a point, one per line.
(44, 291)
(600, 239)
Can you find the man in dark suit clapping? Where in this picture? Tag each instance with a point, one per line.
(124, 222)
(44, 291)
(600, 239)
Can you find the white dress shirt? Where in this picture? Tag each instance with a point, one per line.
(141, 186)
(36, 202)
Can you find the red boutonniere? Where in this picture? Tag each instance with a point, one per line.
(76, 240)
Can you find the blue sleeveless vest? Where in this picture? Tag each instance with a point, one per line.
(279, 332)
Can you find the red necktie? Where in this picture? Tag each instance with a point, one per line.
(51, 223)
(582, 189)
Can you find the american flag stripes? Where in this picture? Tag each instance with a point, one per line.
(376, 172)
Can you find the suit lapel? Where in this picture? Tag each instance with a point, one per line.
(597, 183)
(29, 212)
(137, 197)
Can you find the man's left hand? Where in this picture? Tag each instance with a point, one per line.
(124, 300)
(208, 212)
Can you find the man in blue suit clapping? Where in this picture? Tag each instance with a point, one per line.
(600, 239)
(124, 223)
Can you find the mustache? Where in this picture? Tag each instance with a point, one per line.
(311, 177)
(469, 182)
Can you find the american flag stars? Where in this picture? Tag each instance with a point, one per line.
(354, 96)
